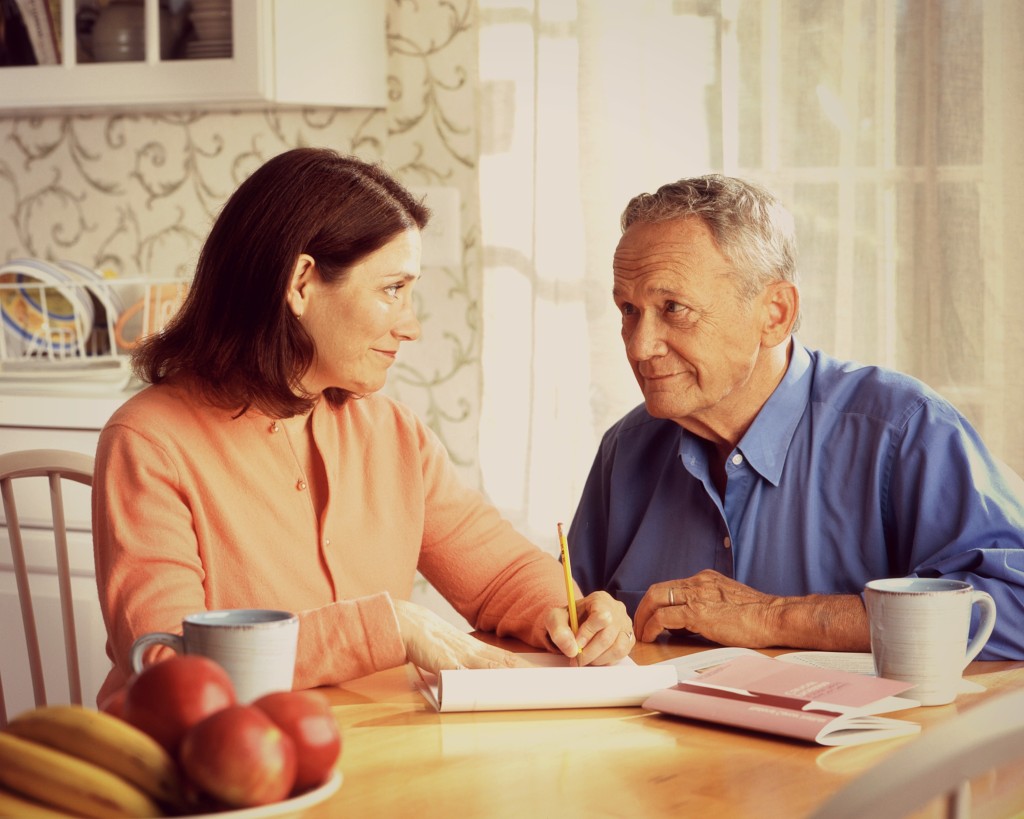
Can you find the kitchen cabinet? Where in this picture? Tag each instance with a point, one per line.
(330, 53)
(63, 420)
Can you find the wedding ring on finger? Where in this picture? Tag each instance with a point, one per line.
(671, 596)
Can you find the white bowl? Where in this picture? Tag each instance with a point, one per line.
(210, 14)
(203, 8)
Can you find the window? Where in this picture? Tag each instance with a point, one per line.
(889, 128)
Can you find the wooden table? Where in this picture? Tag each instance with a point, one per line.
(403, 759)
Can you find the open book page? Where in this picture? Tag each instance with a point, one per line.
(763, 694)
(550, 683)
(857, 662)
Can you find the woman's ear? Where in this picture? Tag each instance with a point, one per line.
(300, 286)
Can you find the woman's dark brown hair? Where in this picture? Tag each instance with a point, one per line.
(235, 337)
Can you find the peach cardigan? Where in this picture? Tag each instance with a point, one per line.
(194, 510)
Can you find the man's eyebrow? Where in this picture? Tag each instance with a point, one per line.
(661, 291)
(651, 291)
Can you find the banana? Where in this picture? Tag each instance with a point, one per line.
(62, 781)
(18, 807)
(103, 740)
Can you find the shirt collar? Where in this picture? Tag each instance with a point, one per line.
(767, 440)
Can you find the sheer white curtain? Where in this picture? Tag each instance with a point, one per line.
(890, 127)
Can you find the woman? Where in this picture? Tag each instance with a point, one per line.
(260, 470)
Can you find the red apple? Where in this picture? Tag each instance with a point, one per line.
(169, 697)
(113, 704)
(240, 757)
(305, 716)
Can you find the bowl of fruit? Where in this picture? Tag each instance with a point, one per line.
(173, 742)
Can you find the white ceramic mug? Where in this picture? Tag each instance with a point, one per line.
(919, 630)
(255, 646)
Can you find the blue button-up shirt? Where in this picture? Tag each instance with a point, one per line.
(847, 474)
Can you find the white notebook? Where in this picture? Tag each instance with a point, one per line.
(550, 683)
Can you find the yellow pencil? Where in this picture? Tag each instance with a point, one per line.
(574, 623)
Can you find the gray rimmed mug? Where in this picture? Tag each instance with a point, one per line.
(919, 632)
(255, 646)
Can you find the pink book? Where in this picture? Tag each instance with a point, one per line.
(821, 705)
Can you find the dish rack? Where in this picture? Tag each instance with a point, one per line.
(65, 324)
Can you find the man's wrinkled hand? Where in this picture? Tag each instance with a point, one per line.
(711, 605)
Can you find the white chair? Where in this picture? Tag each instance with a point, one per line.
(57, 466)
(938, 764)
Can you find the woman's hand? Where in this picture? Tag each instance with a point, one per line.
(434, 644)
(605, 634)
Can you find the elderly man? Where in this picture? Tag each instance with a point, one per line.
(762, 483)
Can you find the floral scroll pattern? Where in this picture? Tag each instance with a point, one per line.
(135, 194)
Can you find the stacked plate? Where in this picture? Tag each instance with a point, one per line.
(202, 50)
(211, 20)
(51, 309)
(106, 302)
(41, 312)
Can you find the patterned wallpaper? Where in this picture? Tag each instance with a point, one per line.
(136, 193)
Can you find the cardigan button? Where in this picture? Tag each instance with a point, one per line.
(274, 427)
(300, 485)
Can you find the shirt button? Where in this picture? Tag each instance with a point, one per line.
(726, 543)
(737, 459)
(274, 427)
(300, 485)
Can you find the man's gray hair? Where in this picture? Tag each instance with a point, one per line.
(751, 227)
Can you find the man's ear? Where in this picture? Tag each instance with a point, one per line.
(300, 286)
(781, 305)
